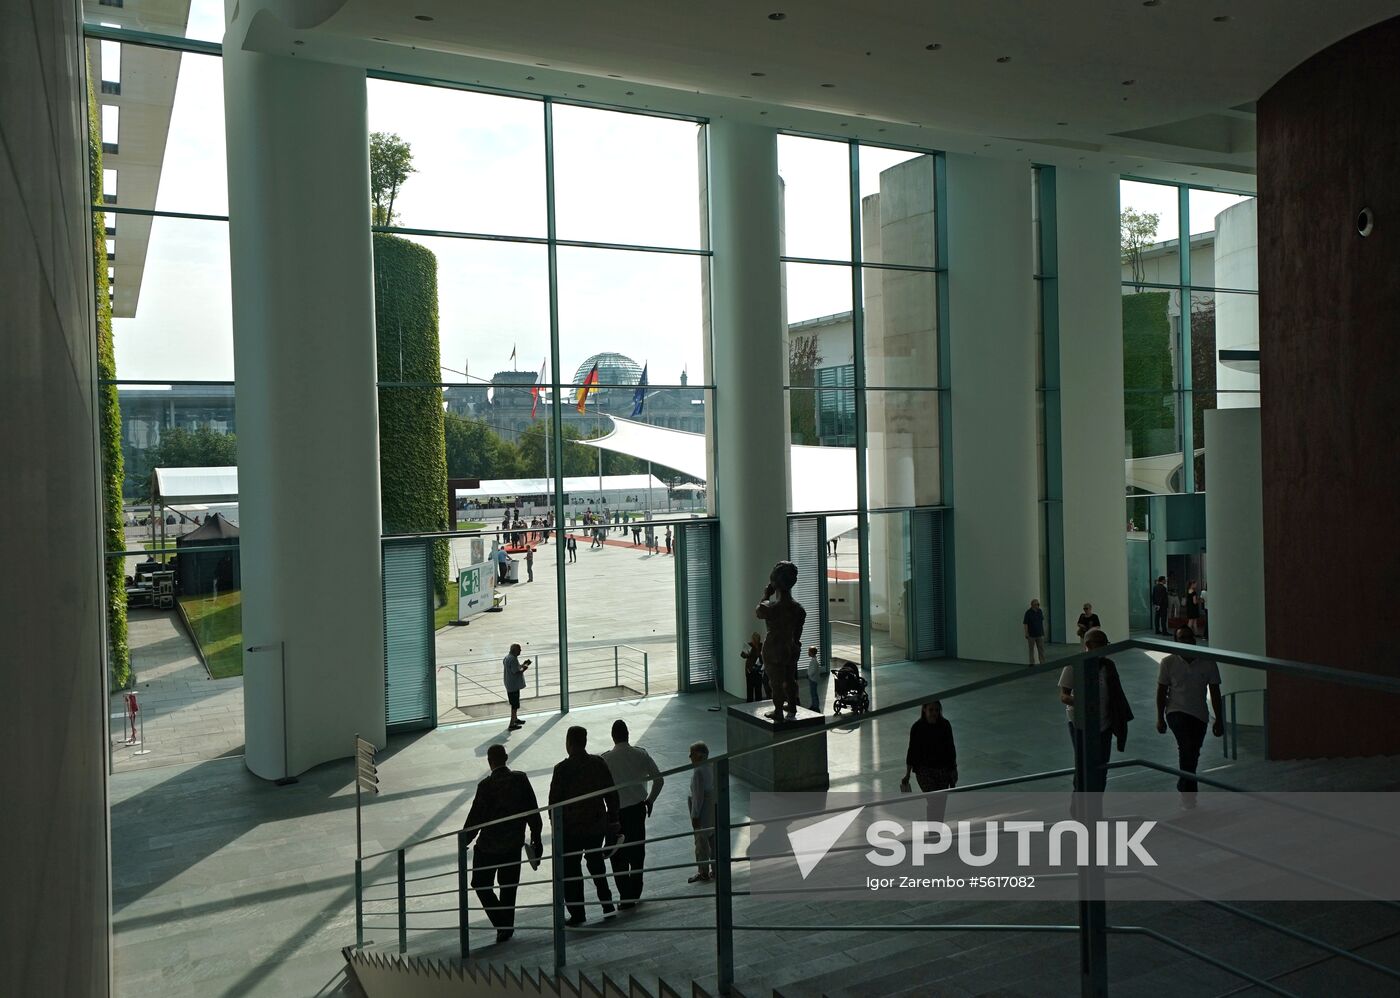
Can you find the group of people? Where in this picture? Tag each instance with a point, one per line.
(757, 686)
(516, 532)
(606, 800)
(1192, 606)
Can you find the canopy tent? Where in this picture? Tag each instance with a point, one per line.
(1159, 474)
(177, 486)
(688, 487)
(579, 483)
(822, 477)
(208, 571)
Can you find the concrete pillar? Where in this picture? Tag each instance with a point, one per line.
(750, 486)
(1235, 528)
(55, 908)
(1091, 398)
(991, 300)
(303, 327)
(1236, 316)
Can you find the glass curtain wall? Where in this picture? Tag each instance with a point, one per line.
(543, 381)
(866, 381)
(1044, 235)
(166, 418)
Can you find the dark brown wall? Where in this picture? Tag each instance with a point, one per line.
(1329, 145)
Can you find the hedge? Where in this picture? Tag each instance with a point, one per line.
(109, 420)
(412, 454)
(1147, 369)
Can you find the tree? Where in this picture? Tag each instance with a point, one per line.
(201, 448)
(474, 450)
(578, 459)
(1136, 231)
(109, 420)
(1149, 412)
(803, 359)
(390, 163)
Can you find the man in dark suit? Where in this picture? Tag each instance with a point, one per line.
(503, 793)
(584, 826)
(1159, 606)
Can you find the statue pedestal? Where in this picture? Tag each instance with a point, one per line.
(788, 764)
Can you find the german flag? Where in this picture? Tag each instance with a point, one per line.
(589, 387)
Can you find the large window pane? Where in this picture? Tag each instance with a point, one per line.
(890, 583)
(897, 207)
(202, 20)
(901, 328)
(822, 453)
(1148, 232)
(168, 150)
(1151, 334)
(820, 340)
(816, 197)
(1152, 442)
(172, 307)
(177, 426)
(478, 159)
(1229, 224)
(902, 448)
(628, 311)
(627, 178)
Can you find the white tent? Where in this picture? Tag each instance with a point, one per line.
(178, 486)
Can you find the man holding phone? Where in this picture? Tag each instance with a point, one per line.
(514, 683)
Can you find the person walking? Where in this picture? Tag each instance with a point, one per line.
(530, 563)
(1112, 722)
(1182, 683)
(932, 758)
(702, 812)
(1193, 608)
(586, 824)
(1159, 606)
(514, 677)
(668, 540)
(571, 547)
(496, 859)
(754, 685)
(814, 678)
(1033, 624)
(632, 770)
(1088, 620)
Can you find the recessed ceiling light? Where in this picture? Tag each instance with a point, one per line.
(1062, 122)
(422, 17)
(1151, 3)
(933, 46)
(844, 124)
(879, 129)
(758, 74)
(298, 42)
(777, 16)
(378, 39)
(1003, 58)
(581, 86)
(762, 112)
(628, 94)
(614, 76)
(529, 77)
(829, 86)
(1221, 19)
(544, 64)
(745, 97)
(1129, 83)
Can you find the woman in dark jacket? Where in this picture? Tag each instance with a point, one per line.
(932, 757)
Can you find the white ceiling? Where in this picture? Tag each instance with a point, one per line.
(1063, 87)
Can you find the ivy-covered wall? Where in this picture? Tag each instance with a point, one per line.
(412, 454)
(1148, 403)
(109, 423)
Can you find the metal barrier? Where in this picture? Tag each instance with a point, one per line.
(1093, 927)
(1230, 744)
(619, 666)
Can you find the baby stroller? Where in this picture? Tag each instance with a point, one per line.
(851, 690)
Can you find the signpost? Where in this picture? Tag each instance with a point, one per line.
(475, 590)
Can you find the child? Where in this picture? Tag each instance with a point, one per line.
(756, 684)
(814, 678)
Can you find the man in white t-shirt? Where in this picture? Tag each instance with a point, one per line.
(630, 765)
(1098, 779)
(1182, 683)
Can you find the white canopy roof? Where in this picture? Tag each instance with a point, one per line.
(583, 483)
(183, 485)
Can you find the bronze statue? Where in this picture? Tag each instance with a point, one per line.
(782, 645)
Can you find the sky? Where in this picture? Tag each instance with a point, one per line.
(479, 162)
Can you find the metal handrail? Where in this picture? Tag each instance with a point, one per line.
(1093, 926)
(1230, 744)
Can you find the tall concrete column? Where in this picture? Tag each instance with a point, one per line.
(1235, 530)
(748, 362)
(991, 300)
(308, 463)
(1091, 398)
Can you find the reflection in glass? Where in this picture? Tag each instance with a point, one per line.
(821, 436)
(843, 585)
(478, 159)
(627, 178)
(901, 328)
(176, 426)
(816, 197)
(819, 331)
(199, 20)
(897, 207)
(902, 458)
(1153, 442)
(890, 588)
(1151, 324)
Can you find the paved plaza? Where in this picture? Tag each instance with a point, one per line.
(227, 885)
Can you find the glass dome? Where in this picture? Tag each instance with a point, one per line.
(613, 369)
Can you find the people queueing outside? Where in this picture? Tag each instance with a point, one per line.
(668, 539)
(755, 684)
(1112, 722)
(814, 678)
(1088, 620)
(1159, 606)
(702, 812)
(514, 678)
(1033, 623)
(1183, 680)
(638, 781)
(571, 546)
(584, 826)
(530, 563)
(932, 758)
(496, 859)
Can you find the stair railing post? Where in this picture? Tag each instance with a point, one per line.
(463, 895)
(359, 904)
(724, 897)
(556, 881)
(1093, 911)
(403, 906)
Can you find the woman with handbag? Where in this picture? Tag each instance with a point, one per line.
(932, 757)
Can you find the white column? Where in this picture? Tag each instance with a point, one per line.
(749, 481)
(991, 299)
(303, 324)
(1091, 398)
(1235, 532)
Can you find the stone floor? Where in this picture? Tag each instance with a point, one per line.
(226, 885)
(185, 717)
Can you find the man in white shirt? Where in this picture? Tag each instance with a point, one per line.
(631, 767)
(513, 675)
(1182, 683)
(702, 812)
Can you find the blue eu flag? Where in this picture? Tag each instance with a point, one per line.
(639, 397)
